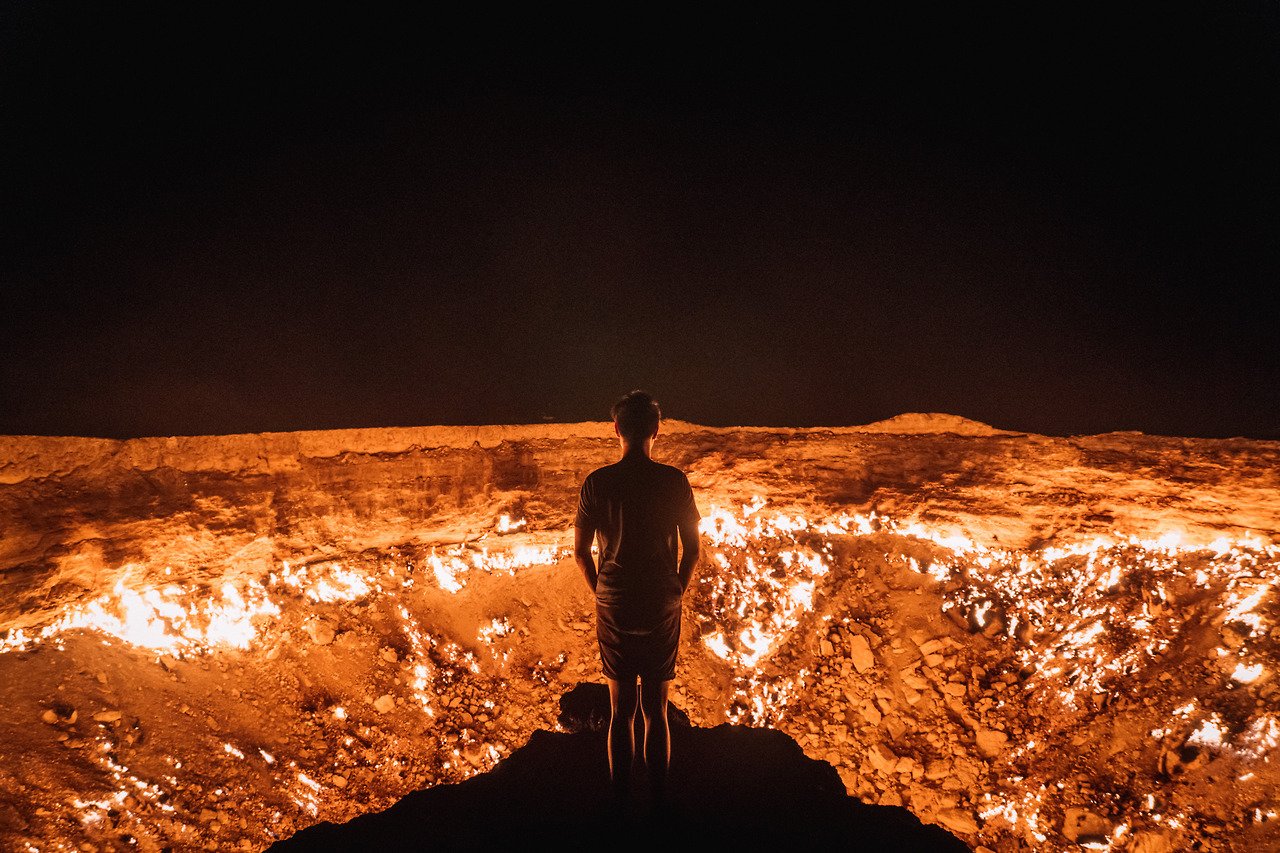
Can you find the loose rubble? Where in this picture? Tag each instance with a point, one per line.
(1079, 692)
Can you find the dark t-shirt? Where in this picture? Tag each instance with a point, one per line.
(636, 506)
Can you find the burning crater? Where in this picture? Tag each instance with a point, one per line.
(1035, 643)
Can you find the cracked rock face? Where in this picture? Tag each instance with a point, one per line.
(217, 640)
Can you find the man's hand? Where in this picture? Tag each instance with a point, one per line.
(582, 537)
(691, 549)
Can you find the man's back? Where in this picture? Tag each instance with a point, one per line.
(637, 505)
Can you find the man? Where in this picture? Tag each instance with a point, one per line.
(638, 507)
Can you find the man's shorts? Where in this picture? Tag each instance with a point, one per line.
(629, 647)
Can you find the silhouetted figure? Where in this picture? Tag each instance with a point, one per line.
(639, 508)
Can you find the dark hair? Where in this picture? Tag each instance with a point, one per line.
(637, 415)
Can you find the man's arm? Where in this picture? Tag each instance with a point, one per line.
(691, 549)
(582, 537)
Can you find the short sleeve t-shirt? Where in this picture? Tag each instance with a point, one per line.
(636, 505)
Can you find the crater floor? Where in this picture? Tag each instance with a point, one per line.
(1032, 642)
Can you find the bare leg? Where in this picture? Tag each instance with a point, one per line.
(657, 737)
(621, 746)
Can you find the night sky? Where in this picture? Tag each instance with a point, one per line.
(220, 223)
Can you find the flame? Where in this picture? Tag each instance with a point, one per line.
(1247, 673)
(1081, 617)
(506, 525)
(165, 619)
(1210, 733)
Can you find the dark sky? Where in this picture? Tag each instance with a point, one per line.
(1064, 223)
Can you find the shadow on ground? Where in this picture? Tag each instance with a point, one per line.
(731, 786)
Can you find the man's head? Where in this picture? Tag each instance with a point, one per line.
(636, 417)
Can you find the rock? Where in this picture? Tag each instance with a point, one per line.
(1084, 827)
(871, 713)
(320, 632)
(925, 803)
(991, 743)
(1176, 761)
(60, 713)
(930, 647)
(882, 758)
(825, 648)
(1151, 841)
(107, 716)
(895, 726)
(937, 769)
(389, 655)
(473, 753)
(915, 682)
(338, 781)
(384, 704)
(169, 662)
(958, 820)
(1234, 634)
(860, 653)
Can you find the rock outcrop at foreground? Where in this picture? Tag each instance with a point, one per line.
(1032, 642)
(732, 788)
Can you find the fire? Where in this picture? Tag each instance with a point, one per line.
(1246, 673)
(166, 619)
(1076, 621)
(176, 620)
